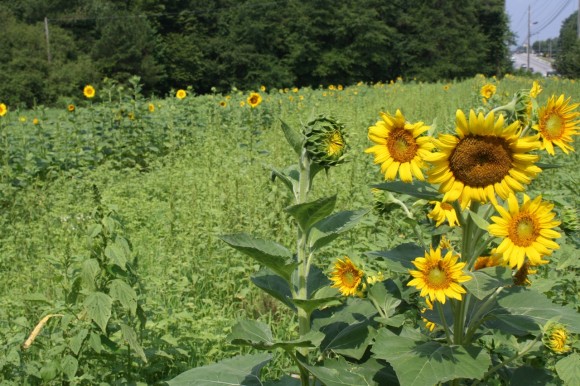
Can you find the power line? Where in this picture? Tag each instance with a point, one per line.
(553, 17)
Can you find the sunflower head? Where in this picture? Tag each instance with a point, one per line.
(557, 123)
(439, 277)
(520, 278)
(325, 141)
(487, 91)
(71, 108)
(493, 260)
(3, 109)
(346, 277)
(89, 91)
(254, 99)
(443, 211)
(557, 338)
(151, 107)
(180, 94)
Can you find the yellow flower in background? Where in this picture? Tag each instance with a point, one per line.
(295, 89)
(223, 104)
(254, 99)
(429, 325)
(35, 121)
(22, 119)
(527, 231)
(443, 211)
(346, 276)
(446, 87)
(557, 123)
(180, 94)
(89, 91)
(438, 277)
(3, 109)
(331, 87)
(71, 108)
(339, 87)
(493, 260)
(521, 276)
(484, 158)
(487, 91)
(557, 338)
(151, 107)
(400, 148)
(263, 88)
(536, 89)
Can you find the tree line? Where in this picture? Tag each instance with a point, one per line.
(216, 45)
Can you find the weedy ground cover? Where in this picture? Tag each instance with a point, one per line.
(128, 196)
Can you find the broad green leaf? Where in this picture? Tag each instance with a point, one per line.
(479, 221)
(418, 189)
(317, 280)
(284, 178)
(131, 338)
(399, 259)
(49, 371)
(116, 255)
(98, 307)
(568, 369)
(94, 230)
(337, 375)
(314, 304)
(274, 285)
(294, 138)
(532, 376)
(258, 335)
(286, 380)
(269, 253)
(329, 228)
(69, 366)
(89, 271)
(125, 294)
(241, 370)
(419, 363)
(76, 341)
(309, 213)
(521, 302)
(384, 298)
(485, 281)
(95, 342)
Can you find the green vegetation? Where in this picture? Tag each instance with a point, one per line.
(112, 216)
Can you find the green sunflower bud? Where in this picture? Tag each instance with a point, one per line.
(557, 338)
(570, 220)
(325, 141)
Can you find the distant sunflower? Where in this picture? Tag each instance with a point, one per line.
(180, 94)
(71, 108)
(223, 104)
(399, 148)
(484, 158)
(557, 123)
(526, 231)
(535, 90)
(151, 107)
(89, 91)
(35, 121)
(443, 211)
(3, 109)
(254, 99)
(439, 277)
(429, 325)
(346, 276)
(557, 338)
(487, 91)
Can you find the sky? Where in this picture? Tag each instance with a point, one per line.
(549, 15)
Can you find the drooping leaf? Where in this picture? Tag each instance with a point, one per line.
(269, 253)
(274, 285)
(89, 271)
(241, 370)
(98, 307)
(399, 259)
(309, 213)
(76, 341)
(258, 335)
(125, 294)
(294, 137)
(420, 363)
(531, 376)
(116, 255)
(329, 228)
(284, 381)
(485, 281)
(568, 369)
(131, 338)
(418, 189)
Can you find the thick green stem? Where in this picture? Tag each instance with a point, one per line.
(444, 321)
(476, 320)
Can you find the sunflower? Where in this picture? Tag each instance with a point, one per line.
(487, 91)
(438, 277)
(180, 94)
(484, 158)
(520, 278)
(151, 107)
(526, 231)
(443, 211)
(89, 91)
(71, 108)
(3, 109)
(557, 339)
(536, 89)
(493, 260)
(35, 121)
(254, 99)
(346, 276)
(399, 146)
(223, 103)
(557, 123)
(325, 141)
(429, 325)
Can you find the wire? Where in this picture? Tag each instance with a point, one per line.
(564, 6)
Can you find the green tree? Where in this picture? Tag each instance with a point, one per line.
(568, 60)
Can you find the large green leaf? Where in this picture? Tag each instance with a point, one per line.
(485, 281)
(130, 337)
(399, 258)
(568, 369)
(520, 304)
(269, 253)
(338, 373)
(241, 370)
(274, 285)
(419, 363)
(309, 213)
(329, 228)
(532, 376)
(89, 270)
(98, 307)
(258, 335)
(294, 138)
(418, 189)
(125, 294)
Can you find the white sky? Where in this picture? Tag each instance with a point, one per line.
(549, 15)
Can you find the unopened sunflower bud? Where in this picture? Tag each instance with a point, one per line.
(325, 141)
(557, 338)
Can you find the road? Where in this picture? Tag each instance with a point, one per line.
(538, 64)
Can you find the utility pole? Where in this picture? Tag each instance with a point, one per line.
(47, 40)
(529, 33)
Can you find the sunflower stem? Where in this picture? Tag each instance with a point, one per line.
(444, 321)
(476, 319)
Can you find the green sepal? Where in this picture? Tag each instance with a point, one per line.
(399, 259)
(241, 370)
(258, 335)
(308, 213)
(274, 285)
(327, 229)
(269, 253)
(485, 281)
(418, 189)
(294, 138)
(423, 362)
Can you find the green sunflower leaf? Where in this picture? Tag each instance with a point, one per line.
(294, 138)
(274, 285)
(428, 362)
(338, 372)
(309, 213)
(568, 369)
(241, 370)
(418, 189)
(399, 259)
(258, 335)
(329, 228)
(269, 253)
(479, 221)
(485, 281)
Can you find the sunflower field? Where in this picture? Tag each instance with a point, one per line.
(405, 233)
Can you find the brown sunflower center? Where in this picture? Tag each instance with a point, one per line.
(553, 127)
(350, 278)
(446, 206)
(523, 229)
(253, 100)
(402, 145)
(479, 161)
